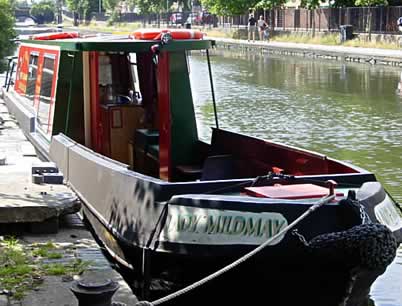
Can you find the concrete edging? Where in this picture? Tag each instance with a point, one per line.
(340, 53)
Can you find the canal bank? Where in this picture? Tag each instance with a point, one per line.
(38, 224)
(372, 56)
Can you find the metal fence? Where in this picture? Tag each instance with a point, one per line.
(383, 19)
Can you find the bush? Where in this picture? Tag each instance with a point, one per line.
(114, 17)
(7, 32)
(43, 11)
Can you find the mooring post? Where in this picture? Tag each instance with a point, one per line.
(95, 293)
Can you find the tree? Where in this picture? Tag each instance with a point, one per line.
(93, 7)
(43, 11)
(7, 33)
(110, 5)
(79, 8)
(370, 4)
(228, 7)
(150, 6)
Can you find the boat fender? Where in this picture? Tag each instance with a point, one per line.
(371, 246)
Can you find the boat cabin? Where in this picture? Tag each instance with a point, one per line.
(131, 101)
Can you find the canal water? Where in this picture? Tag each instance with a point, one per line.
(351, 112)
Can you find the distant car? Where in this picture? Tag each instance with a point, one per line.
(176, 18)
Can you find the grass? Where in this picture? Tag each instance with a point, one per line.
(371, 44)
(333, 39)
(44, 251)
(76, 266)
(22, 268)
(330, 39)
(117, 28)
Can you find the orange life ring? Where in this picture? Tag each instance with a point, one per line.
(53, 36)
(156, 34)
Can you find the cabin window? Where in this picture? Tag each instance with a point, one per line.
(32, 75)
(204, 111)
(134, 76)
(46, 91)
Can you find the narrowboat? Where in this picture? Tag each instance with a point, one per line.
(116, 114)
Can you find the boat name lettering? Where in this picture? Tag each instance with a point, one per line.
(197, 225)
(243, 226)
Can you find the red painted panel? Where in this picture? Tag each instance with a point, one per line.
(163, 81)
(259, 156)
(53, 92)
(23, 70)
(21, 77)
(96, 122)
(23, 66)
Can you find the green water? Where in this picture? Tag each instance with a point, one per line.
(351, 112)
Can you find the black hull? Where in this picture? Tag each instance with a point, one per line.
(306, 277)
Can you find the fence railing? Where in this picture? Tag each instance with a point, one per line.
(382, 19)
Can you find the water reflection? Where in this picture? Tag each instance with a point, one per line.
(351, 112)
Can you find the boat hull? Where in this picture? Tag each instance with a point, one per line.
(307, 275)
(161, 267)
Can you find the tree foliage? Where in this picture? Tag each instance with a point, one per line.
(110, 5)
(43, 11)
(7, 32)
(311, 4)
(237, 7)
(270, 4)
(343, 3)
(93, 7)
(371, 2)
(150, 6)
(78, 6)
(228, 7)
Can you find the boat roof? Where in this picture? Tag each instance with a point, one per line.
(121, 43)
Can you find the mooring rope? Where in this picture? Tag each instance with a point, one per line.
(242, 259)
